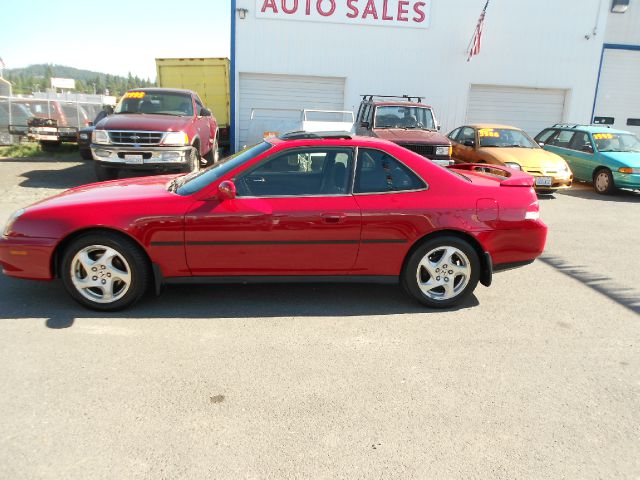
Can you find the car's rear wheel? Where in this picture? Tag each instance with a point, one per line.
(105, 173)
(442, 272)
(603, 182)
(193, 162)
(213, 156)
(104, 271)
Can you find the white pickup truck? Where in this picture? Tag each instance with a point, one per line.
(266, 122)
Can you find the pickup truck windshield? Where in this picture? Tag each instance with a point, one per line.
(404, 117)
(156, 103)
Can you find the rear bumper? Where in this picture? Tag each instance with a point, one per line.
(516, 247)
(152, 157)
(27, 257)
(557, 182)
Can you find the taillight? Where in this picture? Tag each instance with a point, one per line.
(533, 211)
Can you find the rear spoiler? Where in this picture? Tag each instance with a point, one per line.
(508, 177)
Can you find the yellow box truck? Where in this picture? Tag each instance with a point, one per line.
(209, 78)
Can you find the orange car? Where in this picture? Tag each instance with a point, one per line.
(511, 147)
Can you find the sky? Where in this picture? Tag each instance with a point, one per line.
(117, 38)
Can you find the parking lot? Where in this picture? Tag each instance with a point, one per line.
(537, 376)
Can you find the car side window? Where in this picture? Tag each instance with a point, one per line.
(311, 171)
(582, 142)
(545, 135)
(467, 134)
(379, 172)
(562, 139)
(454, 134)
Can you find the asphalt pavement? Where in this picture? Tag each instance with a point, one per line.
(536, 377)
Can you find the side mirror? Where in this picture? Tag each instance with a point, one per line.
(89, 124)
(541, 144)
(205, 112)
(469, 143)
(365, 124)
(587, 148)
(438, 127)
(227, 190)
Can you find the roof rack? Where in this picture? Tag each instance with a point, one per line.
(408, 98)
(576, 125)
(302, 135)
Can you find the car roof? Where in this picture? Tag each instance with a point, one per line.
(331, 138)
(156, 89)
(587, 128)
(400, 104)
(493, 125)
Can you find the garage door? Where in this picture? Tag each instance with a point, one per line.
(618, 92)
(276, 102)
(531, 109)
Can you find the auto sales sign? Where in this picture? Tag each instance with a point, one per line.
(389, 13)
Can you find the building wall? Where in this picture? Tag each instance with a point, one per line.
(624, 28)
(528, 43)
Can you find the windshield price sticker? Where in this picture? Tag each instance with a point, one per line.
(602, 136)
(134, 95)
(488, 132)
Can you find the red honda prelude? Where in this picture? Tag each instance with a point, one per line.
(296, 208)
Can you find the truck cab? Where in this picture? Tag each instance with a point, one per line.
(406, 121)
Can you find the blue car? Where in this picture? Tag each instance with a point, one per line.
(608, 158)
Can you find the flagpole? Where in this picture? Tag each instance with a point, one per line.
(476, 31)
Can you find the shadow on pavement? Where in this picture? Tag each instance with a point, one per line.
(59, 179)
(587, 192)
(627, 297)
(49, 300)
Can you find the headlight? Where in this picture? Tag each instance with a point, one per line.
(563, 167)
(83, 136)
(442, 151)
(629, 170)
(100, 137)
(176, 138)
(12, 220)
(514, 165)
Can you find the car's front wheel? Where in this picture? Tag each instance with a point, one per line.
(603, 182)
(442, 272)
(104, 271)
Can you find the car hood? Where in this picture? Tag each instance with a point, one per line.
(525, 157)
(144, 122)
(626, 159)
(401, 136)
(147, 189)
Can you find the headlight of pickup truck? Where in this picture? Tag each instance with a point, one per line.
(443, 151)
(176, 138)
(100, 137)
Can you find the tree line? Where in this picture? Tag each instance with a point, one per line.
(37, 78)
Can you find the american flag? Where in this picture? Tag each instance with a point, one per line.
(474, 45)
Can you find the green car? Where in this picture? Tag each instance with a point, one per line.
(606, 157)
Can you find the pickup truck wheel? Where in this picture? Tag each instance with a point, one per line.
(103, 173)
(212, 155)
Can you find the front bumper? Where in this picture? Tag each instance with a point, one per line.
(27, 257)
(627, 180)
(141, 156)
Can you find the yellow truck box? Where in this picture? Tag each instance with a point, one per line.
(208, 77)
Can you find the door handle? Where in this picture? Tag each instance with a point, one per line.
(333, 218)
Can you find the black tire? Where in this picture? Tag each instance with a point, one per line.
(104, 174)
(213, 156)
(85, 153)
(603, 182)
(463, 258)
(50, 146)
(130, 259)
(193, 162)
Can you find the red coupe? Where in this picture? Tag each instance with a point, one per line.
(299, 207)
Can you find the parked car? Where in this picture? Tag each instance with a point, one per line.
(511, 147)
(155, 129)
(14, 124)
(606, 157)
(406, 121)
(84, 134)
(298, 208)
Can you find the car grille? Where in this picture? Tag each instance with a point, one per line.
(133, 138)
(537, 171)
(424, 150)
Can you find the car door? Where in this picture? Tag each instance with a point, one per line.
(293, 215)
(581, 156)
(559, 143)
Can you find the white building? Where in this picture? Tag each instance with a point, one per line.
(541, 61)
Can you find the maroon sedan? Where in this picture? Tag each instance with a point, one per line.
(301, 207)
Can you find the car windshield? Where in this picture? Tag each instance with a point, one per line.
(157, 103)
(616, 142)
(505, 138)
(404, 117)
(196, 181)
